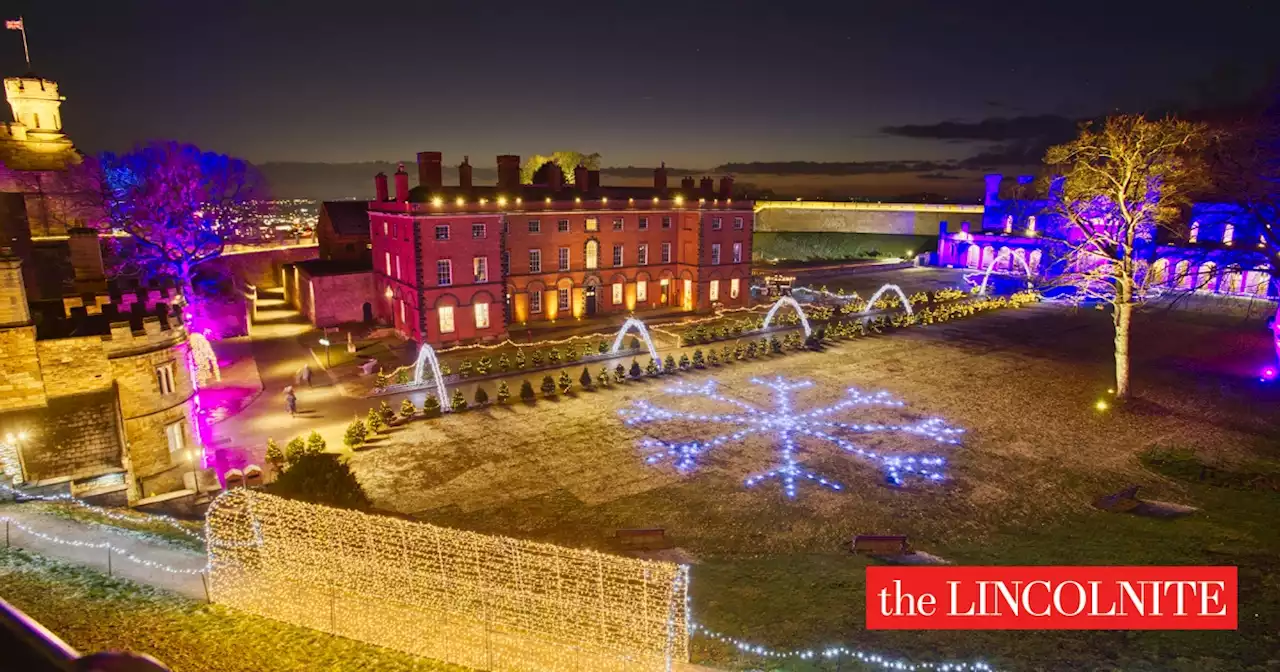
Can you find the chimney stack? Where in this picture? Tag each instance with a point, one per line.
(86, 260)
(555, 178)
(464, 173)
(686, 185)
(580, 179)
(402, 185)
(707, 186)
(509, 172)
(380, 187)
(430, 173)
(660, 177)
(593, 180)
(726, 186)
(992, 194)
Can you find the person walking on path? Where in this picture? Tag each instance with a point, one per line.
(291, 401)
(304, 375)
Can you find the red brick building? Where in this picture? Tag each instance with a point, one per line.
(456, 264)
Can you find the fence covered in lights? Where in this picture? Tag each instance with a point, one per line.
(488, 602)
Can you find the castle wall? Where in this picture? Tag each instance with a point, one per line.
(77, 436)
(74, 365)
(902, 219)
(342, 297)
(21, 385)
(261, 268)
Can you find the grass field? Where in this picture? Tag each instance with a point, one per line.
(1023, 382)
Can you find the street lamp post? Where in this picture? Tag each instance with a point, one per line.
(327, 364)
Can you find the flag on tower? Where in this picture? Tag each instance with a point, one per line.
(14, 24)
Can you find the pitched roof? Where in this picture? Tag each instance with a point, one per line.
(348, 218)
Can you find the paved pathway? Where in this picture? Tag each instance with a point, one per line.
(86, 549)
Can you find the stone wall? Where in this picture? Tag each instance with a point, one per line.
(342, 297)
(156, 470)
(75, 436)
(146, 411)
(890, 218)
(20, 383)
(74, 365)
(261, 268)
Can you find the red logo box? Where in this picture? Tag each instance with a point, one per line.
(1051, 598)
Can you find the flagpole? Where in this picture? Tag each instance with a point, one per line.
(25, 53)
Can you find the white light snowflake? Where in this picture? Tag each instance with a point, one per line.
(790, 427)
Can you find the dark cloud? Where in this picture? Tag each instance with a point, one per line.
(993, 129)
(939, 175)
(832, 167)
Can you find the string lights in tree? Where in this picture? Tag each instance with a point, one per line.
(202, 360)
(790, 429)
(487, 602)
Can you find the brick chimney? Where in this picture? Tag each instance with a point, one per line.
(380, 187)
(86, 260)
(686, 185)
(508, 172)
(402, 185)
(464, 173)
(580, 177)
(555, 178)
(726, 186)
(593, 180)
(660, 177)
(991, 195)
(430, 174)
(707, 186)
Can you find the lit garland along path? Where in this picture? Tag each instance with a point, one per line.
(151, 562)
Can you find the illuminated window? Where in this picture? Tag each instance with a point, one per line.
(666, 222)
(444, 272)
(535, 261)
(733, 288)
(1031, 224)
(1008, 224)
(175, 435)
(642, 290)
(617, 254)
(593, 224)
(643, 224)
(593, 254)
(395, 229)
(386, 229)
(442, 232)
(737, 223)
(480, 265)
(388, 259)
(715, 254)
(666, 253)
(713, 292)
(642, 255)
(535, 226)
(617, 223)
(397, 266)
(1228, 234)
(445, 314)
(1194, 235)
(715, 224)
(737, 253)
(617, 293)
(482, 315)
(562, 298)
(402, 320)
(477, 230)
(564, 258)
(535, 302)
(164, 378)
(562, 226)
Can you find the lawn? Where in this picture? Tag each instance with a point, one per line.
(92, 612)
(1022, 382)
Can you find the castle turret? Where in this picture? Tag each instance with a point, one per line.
(37, 114)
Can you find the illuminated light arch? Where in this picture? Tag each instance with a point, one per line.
(425, 355)
(888, 288)
(639, 327)
(203, 362)
(973, 257)
(786, 300)
(1005, 254)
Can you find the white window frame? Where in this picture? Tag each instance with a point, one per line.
(716, 224)
(592, 225)
(666, 222)
(591, 255)
(481, 311)
(535, 261)
(165, 380)
(564, 259)
(715, 254)
(737, 224)
(562, 226)
(535, 226)
(617, 293)
(666, 253)
(618, 223)
(388, 260)
(442, 228)
(619, 254)
(535, 302)
(737, 253)
(444, 318)
(642, 291)
(734, 286)
(175, 436)
(643, 224)
(478, 230)
(444, 269)
(480, 269)
(713, 291)
(642, 255)
(564, 298)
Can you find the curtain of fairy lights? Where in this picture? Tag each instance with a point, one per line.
(489, 602)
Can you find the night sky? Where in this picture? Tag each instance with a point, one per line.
(694, 84)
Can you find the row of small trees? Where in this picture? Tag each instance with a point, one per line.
(485, 364)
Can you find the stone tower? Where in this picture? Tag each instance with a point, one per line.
(37, 115)
(14, 311)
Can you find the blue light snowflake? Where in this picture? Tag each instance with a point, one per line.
(789, 428)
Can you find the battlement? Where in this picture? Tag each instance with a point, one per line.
(12, 130)
(117, 303)
(156, 334)
(37, 88)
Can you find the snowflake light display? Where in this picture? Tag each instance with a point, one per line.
(789, 428)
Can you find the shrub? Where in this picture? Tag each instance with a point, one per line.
(775, 346)
(481, 397)
(458, 402)
(407, 409)
(504, 392)
(274, 454)
(553, 357)
(619, 373)
(431, 406)
(444, 369)
(373, 421)
(484, 365)
(669, 365)
(526, 391)
(464, 369)
(698, 361)
(751, 350)
(294, 449)
(740, 352)
(385, 412)
(322, 478)
(548, 386)
(585, 379)
(536, 360)
(504, 363)
(355, 435)
(402, 376)
(713, 358)
(603, 347)
(603, 379)
(635, 368)
(652, 367)
(565, 382)
(726, 354)
(634, 343)
(571, 353)
(315, 443)
(520, 361)
(381, 380)
(685, 364)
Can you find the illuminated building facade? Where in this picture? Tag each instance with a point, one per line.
(467, 263)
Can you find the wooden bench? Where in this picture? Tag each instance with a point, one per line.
(1120, 502)
(652, 539)
(881, 544)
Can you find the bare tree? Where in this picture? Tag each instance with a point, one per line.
(1119, 185)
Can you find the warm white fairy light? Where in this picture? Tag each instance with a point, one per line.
(203, 363)
(113, 514)
(482, 601)
(874, 660)
(104, 545)
(788, 427)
